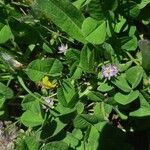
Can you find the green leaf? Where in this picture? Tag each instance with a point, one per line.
(31, 119)
(125, 99)
(32, 143)
(5, 34)
(56, 146)
(64, 15)
(59, 126)
(94, 31)
(120, 24)
(27, 143)
(93, 143)
(66, 94)
(143, 3)
(134, 10)
(95, 10)
(72, 55)
(84, 120)
(81, 3)
(122, 83)
(144, 109)
(125, 66)
(30, 103)
(75, 71)
(102, 111)
(2, 100)
(37, 69)
(73, 138)
(104, 87)
(95, 96)
(129, 43)
(134, 76)
(63, 110)
(5, 91)
(46, 48)
(87, 59)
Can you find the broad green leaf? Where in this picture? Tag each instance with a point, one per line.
(2, 112)
(134, 76)
(76, 71)
(95, 96)
(66, 94)
(122, 83)
(125, 66)
(5, 91)
(64, 15)
(87, 59)
(31, 119)
(129, 43)
(27, 143)
(84, 120)
(81, 3)
(144, 109)
(30, 103)
(95, 10)
(125, 99)
(80, 107)
(37, 69)
(31, 143)
(72, 55)
(57, 145)
(72, 140)
(46, 48)
(100, 9)
(93, 143)
(5, 34)
(2, 100)
(102, 111)
(104, 87)
(63, 110)
(143, 3)
(134, 10)
(94, 31)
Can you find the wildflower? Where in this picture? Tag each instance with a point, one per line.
(49, 101)
(109, 71)
(62, 48)
(47, 84)
(8, 58)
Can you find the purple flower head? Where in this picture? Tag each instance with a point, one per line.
(109, 71)
(49, 101)
(62, 48)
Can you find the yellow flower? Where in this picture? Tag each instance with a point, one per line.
(47, 84)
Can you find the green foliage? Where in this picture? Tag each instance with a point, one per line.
(37, 69)
(75, 74)
(5, 34)
(59, 12)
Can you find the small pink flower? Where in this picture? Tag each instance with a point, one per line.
(49, 101)
(109, 71)
(62, 48)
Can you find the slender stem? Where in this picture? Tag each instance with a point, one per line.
(32, 94)
(134, 60)
(56, 33)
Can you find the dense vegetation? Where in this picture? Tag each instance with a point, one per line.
(74, 74)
